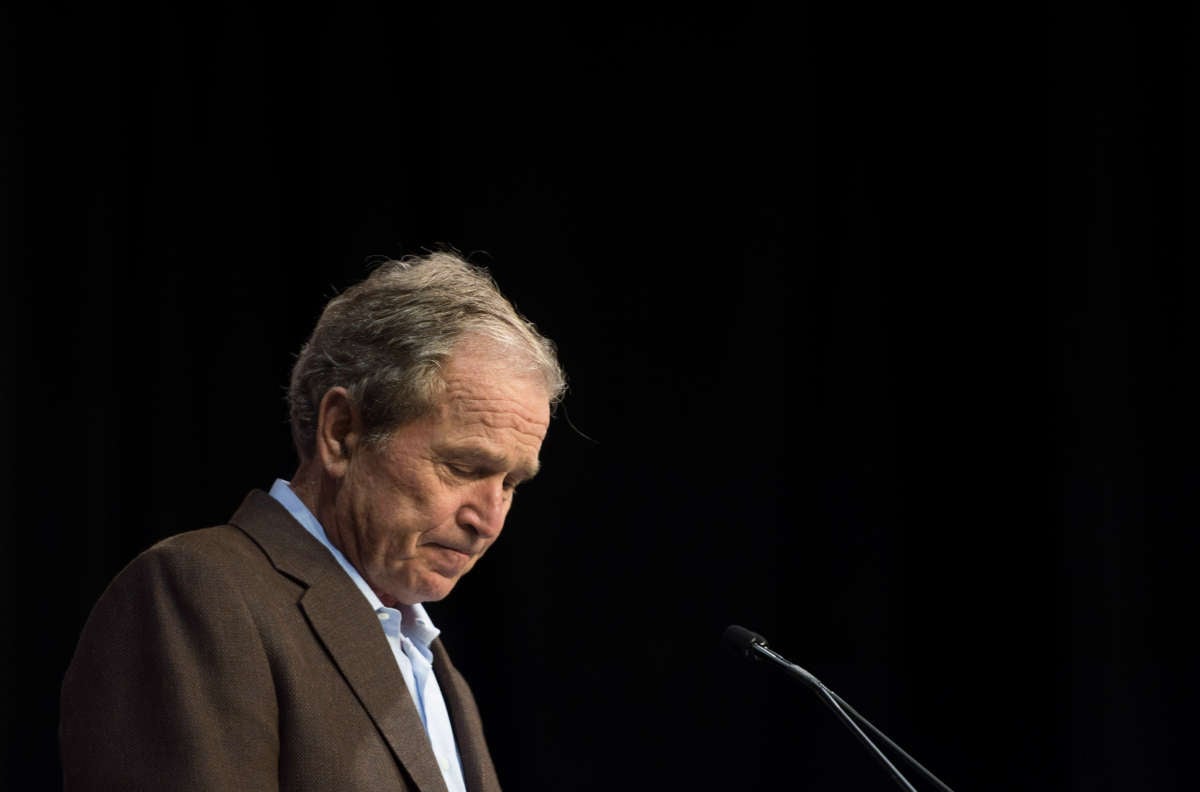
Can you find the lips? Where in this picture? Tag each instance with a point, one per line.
(450, 561)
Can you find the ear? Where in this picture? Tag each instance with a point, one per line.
(339, 430)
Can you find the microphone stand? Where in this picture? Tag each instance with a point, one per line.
(751, 642)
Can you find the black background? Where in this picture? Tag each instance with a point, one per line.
(880, 325)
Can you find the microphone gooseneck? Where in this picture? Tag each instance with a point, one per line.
(753, 646)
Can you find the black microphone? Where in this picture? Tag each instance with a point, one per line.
(742, 640)
(753, 646)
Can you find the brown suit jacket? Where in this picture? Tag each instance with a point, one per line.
(242, 657)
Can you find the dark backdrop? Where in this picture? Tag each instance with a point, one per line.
(880, 327)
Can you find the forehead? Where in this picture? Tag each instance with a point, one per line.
(487, 399)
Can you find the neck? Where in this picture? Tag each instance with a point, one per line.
(307, 483)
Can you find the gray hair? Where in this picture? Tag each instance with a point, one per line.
(385, 339)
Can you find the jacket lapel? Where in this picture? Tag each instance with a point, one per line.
(343, 621)
(479, 772)
(348, 630)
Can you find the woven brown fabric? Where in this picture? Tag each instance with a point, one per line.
(242, 657)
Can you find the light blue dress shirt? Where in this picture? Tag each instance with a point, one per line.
(409, 632)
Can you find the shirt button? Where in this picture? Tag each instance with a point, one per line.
(383, 616)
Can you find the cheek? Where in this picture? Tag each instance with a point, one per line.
(392, 513)
(373, 519)
(394, 526)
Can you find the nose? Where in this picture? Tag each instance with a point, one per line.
(486, 508)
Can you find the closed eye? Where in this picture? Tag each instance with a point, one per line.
(476, 465)
(468, 472)
(476, 473)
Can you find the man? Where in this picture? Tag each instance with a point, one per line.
(289, 649)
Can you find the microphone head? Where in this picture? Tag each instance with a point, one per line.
(742, 641)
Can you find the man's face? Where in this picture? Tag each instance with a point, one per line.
(415, 513)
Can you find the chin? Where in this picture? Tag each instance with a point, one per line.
(430, 593)
(437, 594)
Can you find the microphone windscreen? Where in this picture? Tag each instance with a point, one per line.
(742, 641)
